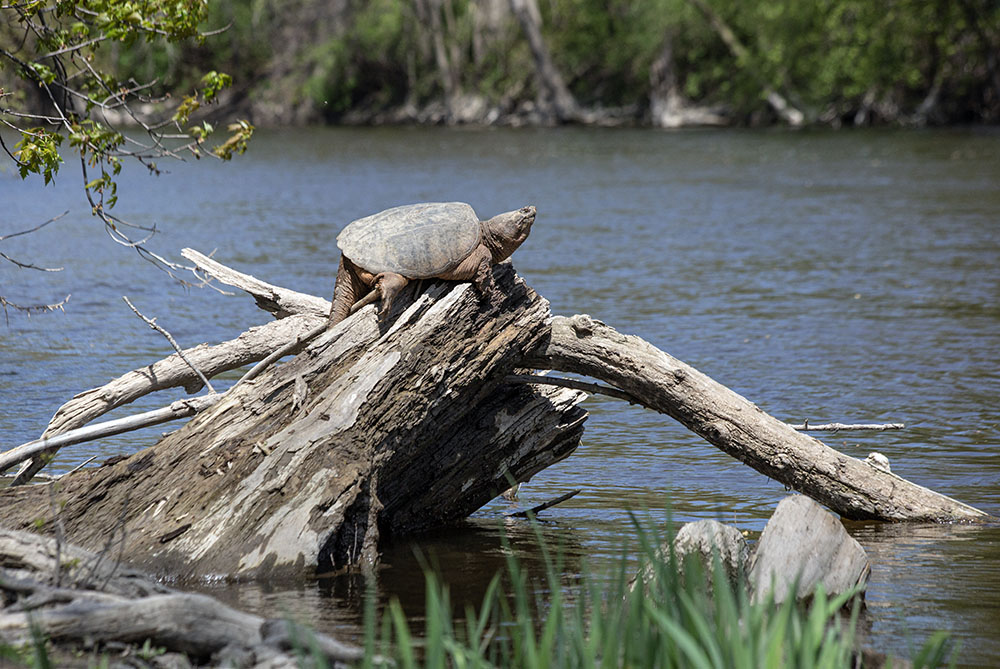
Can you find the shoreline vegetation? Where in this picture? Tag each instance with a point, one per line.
(658, 63)
(661, 63)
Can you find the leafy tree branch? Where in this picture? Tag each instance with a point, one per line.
(65, 93)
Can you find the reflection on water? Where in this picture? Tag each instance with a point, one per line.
(849, 276)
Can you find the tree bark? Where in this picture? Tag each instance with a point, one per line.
(368, 432)
(728, 421)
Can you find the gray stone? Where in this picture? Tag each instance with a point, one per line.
(700, 539)
(803, 540)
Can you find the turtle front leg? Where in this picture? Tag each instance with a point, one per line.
(343, 295)
(351, 285)
(389, 285)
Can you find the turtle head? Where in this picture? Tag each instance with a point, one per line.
(505, 232)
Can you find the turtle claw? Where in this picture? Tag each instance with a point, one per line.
(389, 285)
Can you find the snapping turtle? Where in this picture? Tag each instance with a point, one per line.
(441, 240)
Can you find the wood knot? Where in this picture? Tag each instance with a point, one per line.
(583, 325)
(680, 375)
(718, 433)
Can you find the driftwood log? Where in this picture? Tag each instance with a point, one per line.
(735, 425)
(379, 429)
(80, 599)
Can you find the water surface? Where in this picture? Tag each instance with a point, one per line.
(828, 276)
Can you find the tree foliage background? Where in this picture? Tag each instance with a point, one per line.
(839, 61)
(307, 61)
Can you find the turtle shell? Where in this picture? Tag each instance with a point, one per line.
(418, 241)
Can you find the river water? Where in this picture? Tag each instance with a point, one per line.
(828, 276)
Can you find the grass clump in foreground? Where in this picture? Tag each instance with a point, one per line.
(683, 617)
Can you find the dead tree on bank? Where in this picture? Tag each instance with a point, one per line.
(668, 108)
(377, 430)
(778, 102)
(554, 97)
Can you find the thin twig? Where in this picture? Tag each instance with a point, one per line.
(541, 507)
(37, 227)
(5, 303)
(838, 427)
(151, 322)
(60, 531)
(80, 466)
(256, 370)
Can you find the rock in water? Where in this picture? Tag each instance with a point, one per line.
(803, 540)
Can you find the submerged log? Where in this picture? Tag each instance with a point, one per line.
(378, 428)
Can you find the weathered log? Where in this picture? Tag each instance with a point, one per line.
(367, 432)
(77, 597)
(376, 429)
(299, 314)
(251, 346)
(730, 422)
(804, 545)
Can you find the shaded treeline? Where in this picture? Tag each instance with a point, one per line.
(659, 62)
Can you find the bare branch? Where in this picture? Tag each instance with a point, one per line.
(37, 227)
(75, 47)
(841, 427)
(275, 299)
(533, 511)
(151, 322)
(25, 265)
(178, 409)
(31, 308)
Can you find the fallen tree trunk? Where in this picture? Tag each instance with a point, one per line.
(368, 432)
(729, 421)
